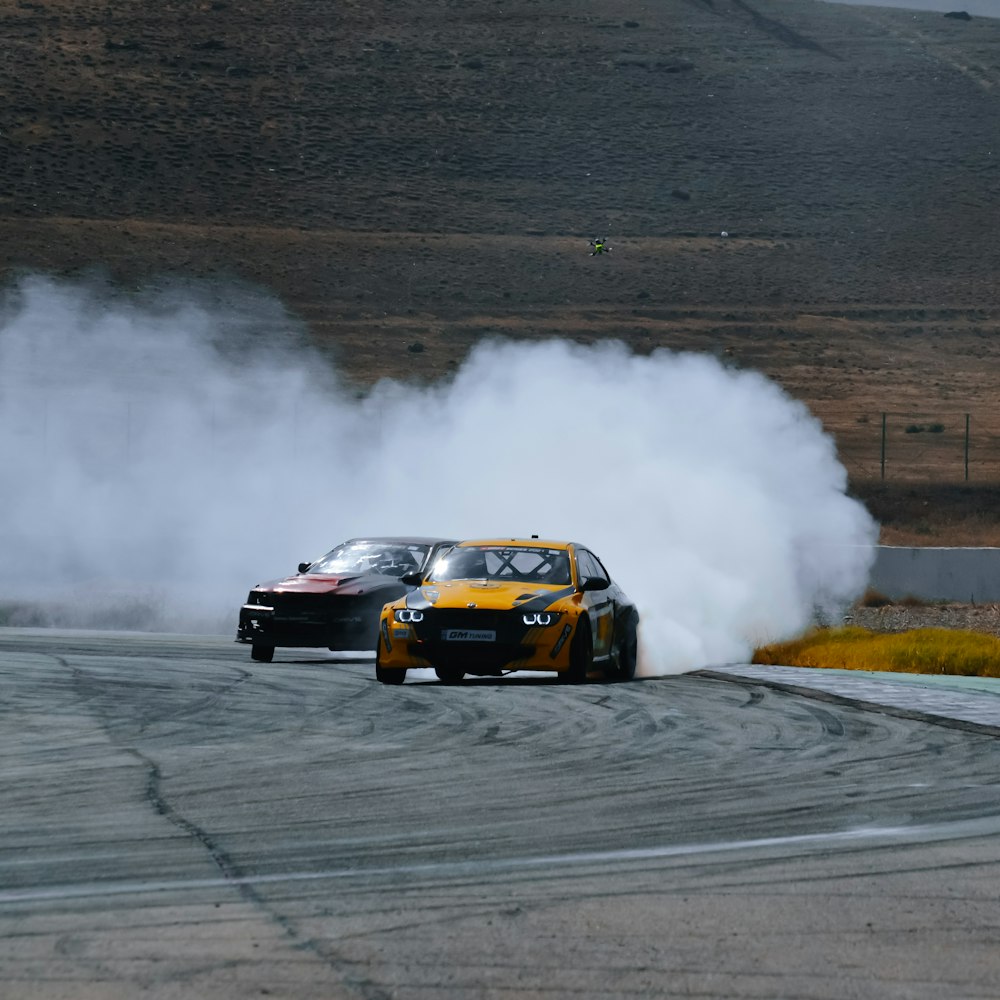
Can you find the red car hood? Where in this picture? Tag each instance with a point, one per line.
(307, 584)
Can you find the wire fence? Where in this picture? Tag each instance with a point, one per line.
(928, 446)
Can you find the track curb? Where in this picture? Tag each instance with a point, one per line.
(818, 694)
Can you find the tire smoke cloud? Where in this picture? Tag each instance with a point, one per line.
(165, 449)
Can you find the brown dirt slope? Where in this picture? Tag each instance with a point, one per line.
(432, 172)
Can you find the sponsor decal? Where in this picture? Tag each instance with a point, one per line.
(468, 635)
(401, 632)
(561, 641)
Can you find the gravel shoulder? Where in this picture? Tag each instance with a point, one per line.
(902, 618)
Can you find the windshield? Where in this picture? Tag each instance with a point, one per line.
(514, 563)
(383, 558)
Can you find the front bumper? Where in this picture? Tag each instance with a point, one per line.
(514, 646)
(267, 626)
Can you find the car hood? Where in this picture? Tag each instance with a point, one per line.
(315, 583)
(487, 594)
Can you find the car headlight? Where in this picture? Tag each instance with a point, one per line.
(408, 615)
(540, 618)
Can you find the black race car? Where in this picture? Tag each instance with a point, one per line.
(336, 600)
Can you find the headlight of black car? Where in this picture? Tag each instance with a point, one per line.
(541, 617)
(408, 615)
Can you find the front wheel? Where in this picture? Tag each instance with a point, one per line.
(449, 675)
(581, 654)
(262, 654)
(387, 675)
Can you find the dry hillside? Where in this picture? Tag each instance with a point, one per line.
(431, 173)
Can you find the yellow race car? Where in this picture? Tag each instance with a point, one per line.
(491, 607)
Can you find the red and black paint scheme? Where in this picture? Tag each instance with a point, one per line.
(335, 601)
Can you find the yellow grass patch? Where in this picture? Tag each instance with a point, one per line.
(920, 651)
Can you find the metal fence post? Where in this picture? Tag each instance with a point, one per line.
(883, 445)
(967, 447)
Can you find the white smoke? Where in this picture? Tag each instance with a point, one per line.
(162, 452)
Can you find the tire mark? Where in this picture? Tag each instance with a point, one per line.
(832, 726)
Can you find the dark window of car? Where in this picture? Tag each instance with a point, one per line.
(588, 565)
(364, 558)
(508, 562)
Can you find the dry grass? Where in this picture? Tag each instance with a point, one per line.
(920, 651)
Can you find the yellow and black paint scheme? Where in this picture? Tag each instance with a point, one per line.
(490, 607)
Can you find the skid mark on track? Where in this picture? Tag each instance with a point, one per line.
(852, 839)
(490, 736)
(832, 726)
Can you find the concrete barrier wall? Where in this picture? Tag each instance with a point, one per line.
(937, 574)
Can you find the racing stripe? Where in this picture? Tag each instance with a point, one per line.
(546, 600)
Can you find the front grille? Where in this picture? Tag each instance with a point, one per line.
(302, 607)
(338, 621)
(508, 625)
(467, 618)
(471, 655)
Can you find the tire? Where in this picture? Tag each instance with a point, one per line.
(387, 675)
(449, 675)
(628, 651)
(581, 654)
(262, 654)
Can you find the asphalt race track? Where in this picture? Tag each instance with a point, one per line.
(179, 822)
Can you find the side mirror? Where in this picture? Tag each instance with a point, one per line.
(413, 579)
(304, 566)
(595, 583)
